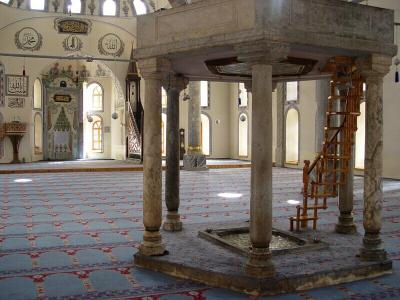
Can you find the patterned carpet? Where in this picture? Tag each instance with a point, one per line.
(73, 235)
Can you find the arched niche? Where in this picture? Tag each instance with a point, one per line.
(243, 135)
(292, 136)
(205, 134)
(37, 94)
(38, 134)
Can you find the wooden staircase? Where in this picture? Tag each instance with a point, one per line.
(329, 170)
(134, 139)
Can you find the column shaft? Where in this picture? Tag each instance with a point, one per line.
(373, 195)
(280, 127)
(152, 206)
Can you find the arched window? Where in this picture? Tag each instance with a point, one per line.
(95, 93)
(1, 140)
(243, 135)
(243, 99)
(163, 134)
(205, 134)
(97, 134)
(140, 7)
(109, 8)
(38, 134)
(292, 136)
(360, 139)
(204, 99)
(76, 6)
(37, 94)
(37, 4)
(163, 97)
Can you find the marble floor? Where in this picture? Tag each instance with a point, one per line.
(73, 235)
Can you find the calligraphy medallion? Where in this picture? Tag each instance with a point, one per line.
(28, 39)
(72, 43)
(111, 45)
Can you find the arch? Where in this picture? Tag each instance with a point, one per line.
(163, 134)
(360, 139)
(292, 136)
(38, 133)
(243, 135)
(37, 94)
(95, 93)
(76, 6)
(205, 134)
(109, 8)
(97, 134)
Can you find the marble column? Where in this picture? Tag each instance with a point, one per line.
(261, 57)
(280, 150)
(322, 93)
(173, 84)
(373, 69)
(152, 72)
(194, 160)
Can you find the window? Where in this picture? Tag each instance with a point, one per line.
(76, 6)
(140, 7)
(242, 101)
(38, 134)
(292, 91)
(97, 134)
(5, 1)
(95, 93)
(292, 136)
(37, 4)
(163, 134)
(243, 135)
(360, 139)
(204, 94)
(205, 134)
(163, 97)
(109, 8)
(37, 94)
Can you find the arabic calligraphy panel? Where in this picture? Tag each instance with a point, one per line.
(111, 45)
(28, 39)
(2, 86)
(17, 85)
(16, 102)
(72, 43)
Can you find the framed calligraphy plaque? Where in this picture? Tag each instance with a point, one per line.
(16, 102)
(62, 98)
(28, 39)
(17, 85)
(72, 26)
(111, 45)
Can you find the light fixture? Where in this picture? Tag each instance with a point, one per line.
(89, 117)
(114, 115)
(293, 202)
(22, 180)
(396, 76)
(230, 195)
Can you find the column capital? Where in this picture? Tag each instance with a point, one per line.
(374, 66)
(172, 81)
(262, 53)
(154, 68)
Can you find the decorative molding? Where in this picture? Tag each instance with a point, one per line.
(17, 85)
(56, 5)
(28, 39)
(92, 7)
(72, 25)
(72, 43)
(17, 102)
(111, 45)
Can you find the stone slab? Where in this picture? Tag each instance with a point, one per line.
(193, 258)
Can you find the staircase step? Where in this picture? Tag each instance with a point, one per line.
(334, 157)
(303, 218)
(342, 113)
(329, 183)
(312, 207)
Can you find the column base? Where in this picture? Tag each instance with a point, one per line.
(260, 264)
(372, 248)
(346, 224)
(195, 162)
(152, 244)
(172, 222)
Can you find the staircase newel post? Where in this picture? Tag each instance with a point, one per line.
(306, 181)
